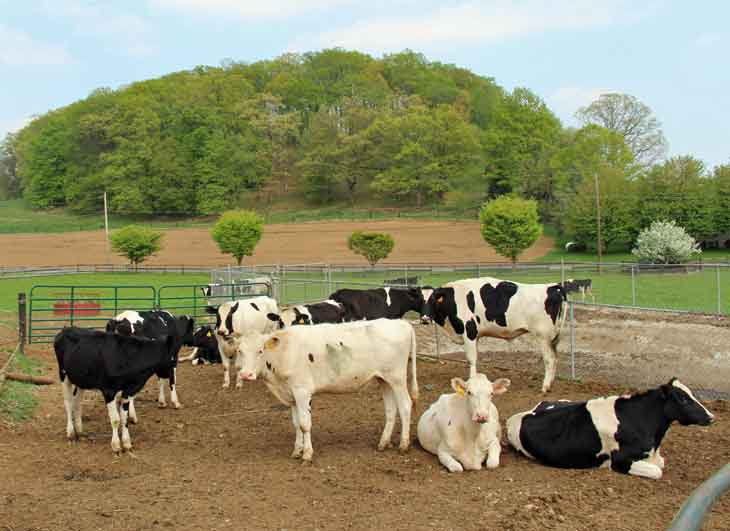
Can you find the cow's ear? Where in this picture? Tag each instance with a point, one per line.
(271, 343)
(500, 385)
(212, 310)
(458, 385)
(234, 308)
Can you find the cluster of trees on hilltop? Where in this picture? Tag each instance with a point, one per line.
(337, 125)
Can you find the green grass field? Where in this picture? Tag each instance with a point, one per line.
(17, 400)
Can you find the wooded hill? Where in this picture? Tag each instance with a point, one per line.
(341, 126)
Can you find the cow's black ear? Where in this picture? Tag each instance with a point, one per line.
(276, 318)
(110, 326)
(211, 309)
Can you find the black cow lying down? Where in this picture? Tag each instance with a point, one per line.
(111, 363)
(206, 347)
(390, 303)
(621, 432)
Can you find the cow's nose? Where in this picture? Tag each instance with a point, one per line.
(481, 419)
(248, 376)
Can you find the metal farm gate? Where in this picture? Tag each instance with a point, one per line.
(51, 307)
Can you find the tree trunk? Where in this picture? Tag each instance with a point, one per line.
(514, 263)
(419, 198)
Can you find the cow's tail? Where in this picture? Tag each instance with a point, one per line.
(414, 380)
(562, 316)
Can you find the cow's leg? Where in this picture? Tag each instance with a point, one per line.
(132, 411)
(126, 439)
(549, 356)
(470, 352)
(173, 389)
(390, 412)
(78, 398)
(645, 469)
(239, 370)
(403, 400)
(304, 415)
(111, 407)
(226, 362)
(299, 441)
(659, 459)
(448, 460)
(493, 453)
(68, 397)
(161, 400)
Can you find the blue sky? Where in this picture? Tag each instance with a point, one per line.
(672, 55)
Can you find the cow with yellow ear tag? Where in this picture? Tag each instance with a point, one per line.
(205, 347)
(462, 428)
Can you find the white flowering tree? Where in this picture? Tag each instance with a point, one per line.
(665, 242)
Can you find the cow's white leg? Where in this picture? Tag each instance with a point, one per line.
(132, 411)
(299, 441)
(549, 356)
(173, 390)
(403, 401)
(226, 362)
(448, 460)
(126, 439)
(659, 459)
(390, 412)
(304, 415)
(111, 408)
(67, 387)
(470, 352)
(495, 449)
(161, 401)
(645, 469)
(77, 402)
(239, 368)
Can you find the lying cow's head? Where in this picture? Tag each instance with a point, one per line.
(478, 392)
(682, 406)
(205, 338)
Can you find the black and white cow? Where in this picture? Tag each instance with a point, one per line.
(623, 433)
(389, 303)
(328, 311)
(583, 286)
(206, 347)
(234, 321)
(156, 324)
(111, 363)
(489, 307)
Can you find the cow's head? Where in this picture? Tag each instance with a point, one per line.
(122, 327)
(478, 392)
(253, 348)
(185, 328)
(224, 318)
(205, 338)
(681, 405)
(439, 306)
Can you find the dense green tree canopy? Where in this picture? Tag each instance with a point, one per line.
(237, 233)
(136, 243)
(374, 246)
(510, 225)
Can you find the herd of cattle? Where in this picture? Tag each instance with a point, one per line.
(356, 336)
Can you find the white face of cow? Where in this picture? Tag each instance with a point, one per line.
(478, 392)
(251, 347)
(224, 319)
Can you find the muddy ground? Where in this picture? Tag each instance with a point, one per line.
(222, 462)
(459, 241)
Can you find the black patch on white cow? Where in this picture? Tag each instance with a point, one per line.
(470, 301)
(471, 330)
(311, 357)
(229, 319)
(268, 365)
(253, 304)
(554, 301)
(496, 300)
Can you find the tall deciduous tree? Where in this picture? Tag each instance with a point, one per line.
(510, 225)
(237, 233)
(374, 246)
(631, 118)
(136, 243)
(9, 180)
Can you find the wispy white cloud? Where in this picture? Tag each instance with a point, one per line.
(566, 100)
(473, 22)
(18, 48)
(10, 125)
(248, 9)
(129, 32)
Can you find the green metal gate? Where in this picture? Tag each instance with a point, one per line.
(51, 307)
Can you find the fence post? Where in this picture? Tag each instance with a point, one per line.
(633, 285)
(436, 336)
(572, 341)
(21, 322)
(562, 271)
(719, 300)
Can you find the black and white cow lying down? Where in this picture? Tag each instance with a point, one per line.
(111, 363)
(489, 307)
(389, 303)
(206, 347)
(235, 321)
(156, 324)
(621, 432)
(328, 311)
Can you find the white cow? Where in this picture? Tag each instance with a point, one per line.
(234, 321)
(299, 362)
(462, 428)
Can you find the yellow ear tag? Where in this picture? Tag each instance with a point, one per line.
(460, 391)
(301, 321)
(440, 300)
(271, 343)
(210, 334)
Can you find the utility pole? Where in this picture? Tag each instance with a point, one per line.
(106, 229)
(598, 219)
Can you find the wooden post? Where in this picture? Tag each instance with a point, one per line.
(21, 322)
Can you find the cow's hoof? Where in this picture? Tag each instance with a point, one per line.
(384, 446)
(297, 453)
(545, 390)
(127, 445)
(239, 384)
(162, 405)
(116, 448)
(133, 420)
(226, 385)
(177, 405)
(403, 448)
(72, 436)
(456, 468)
(307, 455)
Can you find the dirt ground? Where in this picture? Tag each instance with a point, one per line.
(222, 462)
(312, 242)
